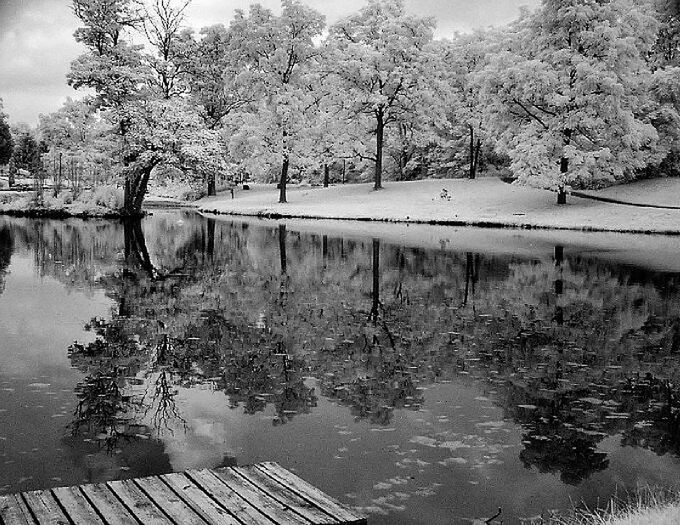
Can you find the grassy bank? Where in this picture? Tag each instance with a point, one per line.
(648, 507)
(102, 202)
(483, 202)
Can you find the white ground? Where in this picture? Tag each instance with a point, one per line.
(482, 201)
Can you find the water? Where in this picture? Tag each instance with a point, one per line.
(423, 375)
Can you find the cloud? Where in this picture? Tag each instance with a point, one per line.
(37, 45)
(36, 48)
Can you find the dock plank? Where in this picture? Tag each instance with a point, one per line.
(106, 503)
(276, 490)
(274, 510)
(13, 511)
(171, 503)
(198, 500)
(211, 484)
(264, 494)
(139, 504)
(76, 506)
(311, 493)
(45, 508)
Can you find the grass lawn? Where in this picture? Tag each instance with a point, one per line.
(486, 201)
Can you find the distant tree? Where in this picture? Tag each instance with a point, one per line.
(459, 119)
(11, 172)
(564, 105)
(665, 62)
(274, 54)
(6, 141)
(27, 154)
(378, 55)
(666, 51)
(212, 81)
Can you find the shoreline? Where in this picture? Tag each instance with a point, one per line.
(47, 213)
(434, 222)
(485, 203)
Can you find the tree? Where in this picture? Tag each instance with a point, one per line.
(563, 103)
(151, 126)
(274, 54)
(163, 27)
(6, 142)
(211, 78)
(26, 155)
(377, 55)
(459, 120)
(665, 62)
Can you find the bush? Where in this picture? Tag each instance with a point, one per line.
(109, 197)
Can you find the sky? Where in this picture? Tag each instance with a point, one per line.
(37, 45)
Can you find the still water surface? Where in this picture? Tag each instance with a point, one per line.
(421, 375)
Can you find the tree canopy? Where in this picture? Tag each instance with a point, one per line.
(6, 141)
(574, 94)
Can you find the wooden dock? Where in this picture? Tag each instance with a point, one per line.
(260, 494)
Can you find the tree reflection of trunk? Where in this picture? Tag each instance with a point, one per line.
(283, 287)
(324, 251)
(373, 316)
(399, 288)
(210, 250)
(471, 276)
(136, 253)
(282, 248)
(559, 285)
(6, 251)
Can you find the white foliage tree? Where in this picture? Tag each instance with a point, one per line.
(564, 103)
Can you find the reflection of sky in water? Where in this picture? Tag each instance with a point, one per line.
(455, 455)
(39, 318)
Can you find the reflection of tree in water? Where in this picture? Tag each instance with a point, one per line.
(6, 250)
(574, 350)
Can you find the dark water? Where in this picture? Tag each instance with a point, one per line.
(423, 376)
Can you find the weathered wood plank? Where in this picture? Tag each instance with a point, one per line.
(274, 510)
(263, 494)
(310, 493)
(138, 503)
(171, 503)
(198, 500)
(76, 506)
(112, 510)
(211, 484)
(13, 511)
(288, 498)
(45, 508)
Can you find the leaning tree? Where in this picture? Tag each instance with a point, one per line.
(150, 127)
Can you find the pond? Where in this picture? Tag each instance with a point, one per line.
(420, 374)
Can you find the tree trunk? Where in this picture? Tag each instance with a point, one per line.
(379, 142)
(212, 186)
(140, 190)
(283, 180)
(473, 167)
(326, 170)
(402, 152)
(561, 190)
(344, 170)
(127, 196)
